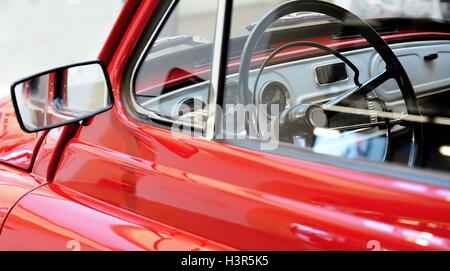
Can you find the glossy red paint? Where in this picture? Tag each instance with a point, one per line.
(17, 148)
(119, 184)
(37, 223)
(120, 26)
(14, 184)
(250, 200)
(50, 151)
(130, 38)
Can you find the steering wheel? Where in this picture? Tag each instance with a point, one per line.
(303, 119)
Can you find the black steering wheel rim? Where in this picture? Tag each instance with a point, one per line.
(393, 65)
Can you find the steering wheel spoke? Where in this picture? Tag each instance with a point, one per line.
(368, 125)
(348, 97)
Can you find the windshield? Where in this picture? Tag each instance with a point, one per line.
(436, 9)
(366, 9)
(189, 33)
(193, 19)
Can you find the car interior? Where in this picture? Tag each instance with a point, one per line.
(372, 89)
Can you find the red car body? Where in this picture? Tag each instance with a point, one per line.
(118, 184)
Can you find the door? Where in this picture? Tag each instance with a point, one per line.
(133, 162)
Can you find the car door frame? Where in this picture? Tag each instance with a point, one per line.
(216, 90)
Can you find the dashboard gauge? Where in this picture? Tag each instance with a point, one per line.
(190, 105)
(274, 94)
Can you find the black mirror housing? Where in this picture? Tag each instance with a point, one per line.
(62, 96)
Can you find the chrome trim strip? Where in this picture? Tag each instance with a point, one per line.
(137, 106)
(216, 70)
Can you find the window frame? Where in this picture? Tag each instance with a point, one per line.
(217, 84)
(150, 36)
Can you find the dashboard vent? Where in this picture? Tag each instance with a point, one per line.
(332, 73)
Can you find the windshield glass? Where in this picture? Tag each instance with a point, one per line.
(193, 28)
(366, 9)
(436, 9)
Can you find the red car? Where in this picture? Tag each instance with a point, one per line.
(235, 125)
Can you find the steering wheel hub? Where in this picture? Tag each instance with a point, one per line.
(317, 117)
(301, 120)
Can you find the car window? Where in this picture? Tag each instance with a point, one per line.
(173, 77)
(306, 80)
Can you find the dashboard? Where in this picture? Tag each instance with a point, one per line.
(299, 82)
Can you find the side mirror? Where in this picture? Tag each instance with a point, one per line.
(62, 96)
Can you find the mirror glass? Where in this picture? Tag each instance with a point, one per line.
(61, 96)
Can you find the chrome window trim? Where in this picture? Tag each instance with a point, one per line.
(220, 50)
(134, 103)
